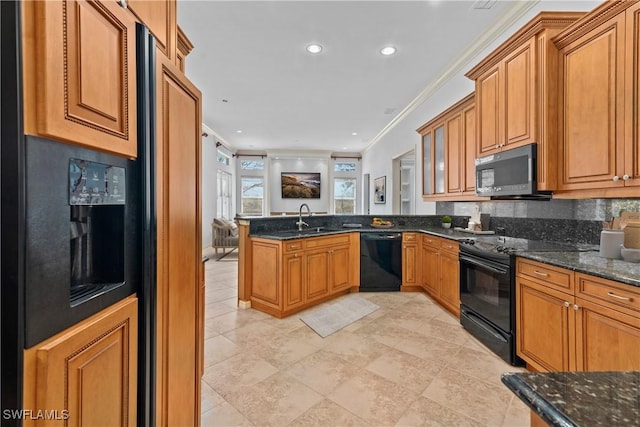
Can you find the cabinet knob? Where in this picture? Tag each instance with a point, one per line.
(566, 304)
(122, 3)
(576, 307)
(616, 178)
(626, 177)
(497, 145)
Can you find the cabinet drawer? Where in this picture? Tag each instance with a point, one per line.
(318, 242)
(294, 245)
(409, 237)
(449, 246)
(605, 291)
(554, 277)
(430, 240)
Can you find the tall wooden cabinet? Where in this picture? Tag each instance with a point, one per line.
(80, 74)
(449, 152)
(87, 373)
(516, 87)
(179, 245)
(568, 321)
(598, 97)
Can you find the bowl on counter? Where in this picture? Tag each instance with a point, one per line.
(630, 254)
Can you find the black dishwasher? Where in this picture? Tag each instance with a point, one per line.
(380, 261)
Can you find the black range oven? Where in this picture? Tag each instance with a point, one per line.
(487, 298)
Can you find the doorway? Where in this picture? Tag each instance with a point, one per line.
(404, 196)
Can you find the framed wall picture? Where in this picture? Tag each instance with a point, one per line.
(380, 190)
(300, 185)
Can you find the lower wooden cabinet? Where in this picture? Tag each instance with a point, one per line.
(87, 374)
(410, 261)
(440, 275)
(288, 276)
(592, 326)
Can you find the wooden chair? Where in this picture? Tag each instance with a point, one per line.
(224, 235)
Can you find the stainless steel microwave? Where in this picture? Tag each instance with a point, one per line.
(510, 174)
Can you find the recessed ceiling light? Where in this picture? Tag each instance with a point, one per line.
(238, 131)
(388, 50)
(314, 48)
(344, 148)
(354, 133)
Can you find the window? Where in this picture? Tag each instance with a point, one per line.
(223, 208)
(345, 167)
(222, 158)
(252, 165)
(344, 195)
(252, 195)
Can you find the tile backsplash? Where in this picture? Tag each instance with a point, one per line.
(558, 220)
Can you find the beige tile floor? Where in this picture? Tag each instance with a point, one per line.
(409, 363)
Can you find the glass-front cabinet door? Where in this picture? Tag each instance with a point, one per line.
(427, 169)
(438, 160)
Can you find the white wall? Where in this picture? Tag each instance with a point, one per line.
(278, 204)
(403, 137)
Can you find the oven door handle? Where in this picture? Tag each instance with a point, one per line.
(483, 265)
(475, 319)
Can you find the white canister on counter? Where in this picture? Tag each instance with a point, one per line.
(610, 242)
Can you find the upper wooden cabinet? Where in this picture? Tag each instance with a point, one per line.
(449, 151)
(80, 74)
(599, 105)
(160, 17)
(516, 87)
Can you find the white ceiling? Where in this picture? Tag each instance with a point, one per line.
(252, 54)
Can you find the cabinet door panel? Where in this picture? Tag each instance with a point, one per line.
(592, 110)
(160, 18)
(470, 148)
(339, 268)
(489, 110)
(519, 74)
(293, 280)
(89, 369)
(409, 264)
(82, 62)
(427, 168)
(179, 239)
(544, 326)
(606, 339)
(454, 160)
(317, 274)
(430, 274)
(450, 282)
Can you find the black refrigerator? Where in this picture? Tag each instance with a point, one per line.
(78, 227)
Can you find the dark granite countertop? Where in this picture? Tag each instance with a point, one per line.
(325, 231)
(588, 399)
(591, 263)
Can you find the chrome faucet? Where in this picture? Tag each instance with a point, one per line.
(300, 222)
